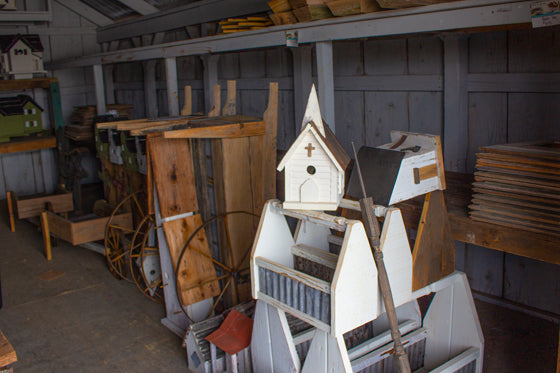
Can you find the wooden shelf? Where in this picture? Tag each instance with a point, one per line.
(515, 241)
(451, 16)
(17, 84)
(28, 144)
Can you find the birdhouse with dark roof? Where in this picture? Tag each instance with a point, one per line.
(314, 165)
(21, 56)
(19, 116)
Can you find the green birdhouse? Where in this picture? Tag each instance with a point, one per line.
(19, 116)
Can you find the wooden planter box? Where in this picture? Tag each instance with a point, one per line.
(90, 227)
(31, 206)
(34, 206)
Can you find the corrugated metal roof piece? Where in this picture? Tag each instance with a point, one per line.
(111, 8)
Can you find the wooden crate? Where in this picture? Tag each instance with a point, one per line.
(85, 230)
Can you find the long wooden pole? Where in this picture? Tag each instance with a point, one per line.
(372, 230)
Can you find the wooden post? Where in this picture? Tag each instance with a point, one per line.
(109, 84)
(172, 90)
(230, 108)
(302, 81)
(150, 96)
(455, 101)
(46, 234)
(210, 62)
(11, 212)
(187, 105)
(99, 89)
(325, 77)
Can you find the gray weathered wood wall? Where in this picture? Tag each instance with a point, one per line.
(67, 35)
(497, 87)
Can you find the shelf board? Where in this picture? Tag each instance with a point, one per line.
(14, 16)
(457, 15)
(515, 241)
(20, 84)
(28, 144)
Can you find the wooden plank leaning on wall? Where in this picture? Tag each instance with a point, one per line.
(244, 173)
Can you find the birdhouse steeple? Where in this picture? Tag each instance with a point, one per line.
(313, 112)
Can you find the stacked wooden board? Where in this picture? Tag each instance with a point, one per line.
(293, 11)
(81, 127)
(232, 25)
(518, 186)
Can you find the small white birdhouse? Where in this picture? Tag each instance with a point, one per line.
(314, 165)
(21, 56)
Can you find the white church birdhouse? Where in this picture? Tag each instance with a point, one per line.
(314, 165)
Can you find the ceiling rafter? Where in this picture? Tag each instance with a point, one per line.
(86, 11)
(140, 6)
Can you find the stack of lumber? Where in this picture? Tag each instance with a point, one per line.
(84, 115)
(81, 127)
(293, 11)
(232, 25)
(341, 8)
(518, 186)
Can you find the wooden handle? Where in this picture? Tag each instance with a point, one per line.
(372, 230)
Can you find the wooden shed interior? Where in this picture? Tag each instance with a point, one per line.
(476, 73)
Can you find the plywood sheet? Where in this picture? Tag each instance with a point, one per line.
(197, 278)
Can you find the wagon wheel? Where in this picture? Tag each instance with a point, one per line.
(143, 260)
(118, 235)
(229, 275)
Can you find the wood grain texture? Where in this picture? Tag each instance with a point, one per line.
(197, 276)
(29, 207)
(7, 352)
(385, 57)
(269, 141)
(10, 85)
(219, 128)
(46, 235)
(27, 144)
(383, 113)
(487, 123)
(434, 254)
(173, 174)
(349, 112)
(10, 198)
(84, 231)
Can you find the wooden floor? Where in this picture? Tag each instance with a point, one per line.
(87, 321)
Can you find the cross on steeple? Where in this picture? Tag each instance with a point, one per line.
(309, 148)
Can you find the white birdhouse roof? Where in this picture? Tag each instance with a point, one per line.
(329, 143)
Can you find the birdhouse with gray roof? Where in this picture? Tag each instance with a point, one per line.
(21, 56)
(315, 164)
